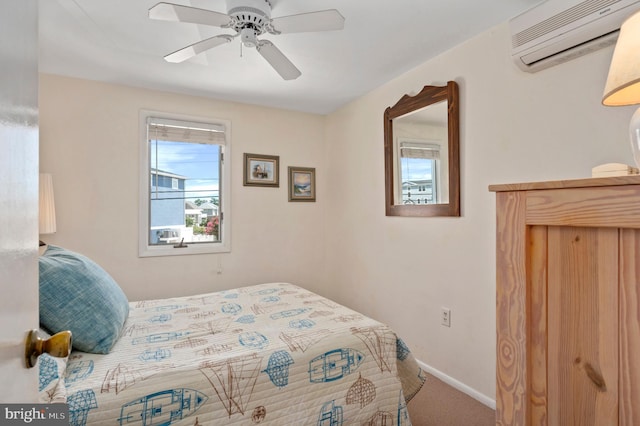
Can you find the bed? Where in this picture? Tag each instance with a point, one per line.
(273, 354)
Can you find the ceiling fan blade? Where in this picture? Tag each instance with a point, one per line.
(196, 48)
(193, 15)
(278, 61)
(324, 20)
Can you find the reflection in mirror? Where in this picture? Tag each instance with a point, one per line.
(421, 142)
(422, 173)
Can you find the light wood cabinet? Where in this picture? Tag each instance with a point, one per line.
(568, 296)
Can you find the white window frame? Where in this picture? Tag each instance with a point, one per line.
(144, 248)
(436, 173)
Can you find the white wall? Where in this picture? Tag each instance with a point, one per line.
(515, 127)
(89, 142)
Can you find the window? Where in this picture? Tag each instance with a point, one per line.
(419, 168)
(184, 185)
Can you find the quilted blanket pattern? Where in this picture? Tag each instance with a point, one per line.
(272, 354)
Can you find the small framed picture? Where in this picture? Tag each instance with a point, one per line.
(261, 170)
(302, 184)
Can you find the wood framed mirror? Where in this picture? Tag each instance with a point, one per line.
(422, 153)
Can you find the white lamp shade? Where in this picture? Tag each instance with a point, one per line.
(623, 81)
(47, 209)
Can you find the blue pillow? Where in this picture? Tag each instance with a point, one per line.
(78, 295)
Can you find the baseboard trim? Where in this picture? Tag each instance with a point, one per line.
(491, 403)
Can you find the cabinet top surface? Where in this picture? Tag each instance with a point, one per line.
(570, 183)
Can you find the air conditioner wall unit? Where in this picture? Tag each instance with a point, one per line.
(557, 31)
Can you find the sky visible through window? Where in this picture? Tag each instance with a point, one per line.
(416, 169)
(198, 163)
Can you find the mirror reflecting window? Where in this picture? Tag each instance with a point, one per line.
(422, 173)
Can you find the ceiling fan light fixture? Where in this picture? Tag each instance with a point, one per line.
(249, 37)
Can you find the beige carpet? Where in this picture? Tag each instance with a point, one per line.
(438, 404)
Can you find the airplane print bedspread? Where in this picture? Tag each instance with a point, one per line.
(272, 354)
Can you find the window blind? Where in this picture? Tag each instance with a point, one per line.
(183, 131)
(429, 151)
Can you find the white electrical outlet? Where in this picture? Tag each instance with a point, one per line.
(445, 317)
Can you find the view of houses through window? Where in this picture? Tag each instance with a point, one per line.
(179, 214)
(184, 190)
(419, 172)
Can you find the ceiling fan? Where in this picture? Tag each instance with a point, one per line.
(249, 19)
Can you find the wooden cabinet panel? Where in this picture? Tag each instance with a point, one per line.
(538, 322)
(629, 327)
(582, 303)
(602, 207)
(512, 392)
(568, 302)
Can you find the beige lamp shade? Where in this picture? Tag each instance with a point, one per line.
(47, 209)
(623, 82)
